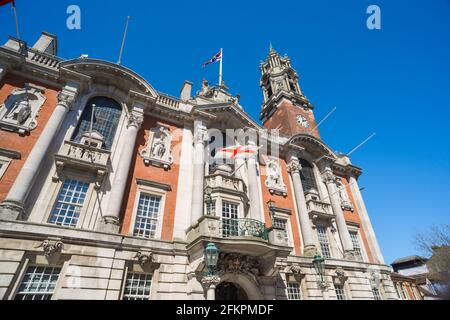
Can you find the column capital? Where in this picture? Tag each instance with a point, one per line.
(294, 166)
(66, 99)
(207, 281)
(328, 176)
(200, 133)
(135, 120)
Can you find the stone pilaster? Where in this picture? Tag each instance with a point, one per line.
(13, 206)
(253, 187)
(110, 220)
(330, 180)
(365, 220)
(200, 138)
(210, 283)
(294, 168)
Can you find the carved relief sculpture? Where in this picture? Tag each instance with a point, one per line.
(20, 110)
(274, 180)
(157, 151)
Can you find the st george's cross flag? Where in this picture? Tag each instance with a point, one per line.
(5, 2)
(217, 57)
(241, 152)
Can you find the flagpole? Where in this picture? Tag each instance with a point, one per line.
(123, 40)
(17, 20)
(221, 68)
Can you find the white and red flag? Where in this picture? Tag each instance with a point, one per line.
(217, 57)
(242, 152)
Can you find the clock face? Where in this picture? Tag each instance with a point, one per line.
(301, 120)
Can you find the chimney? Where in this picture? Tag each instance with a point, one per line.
(186, 91)
(47, 43)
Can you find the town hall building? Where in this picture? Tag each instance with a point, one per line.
(111, 190)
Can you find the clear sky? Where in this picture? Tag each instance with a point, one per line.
(394, 81)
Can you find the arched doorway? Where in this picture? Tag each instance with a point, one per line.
(230, 291)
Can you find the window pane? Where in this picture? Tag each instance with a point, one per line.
(376, 294)
(340, 292)
(147, 216)
(38, 283)
(323, 241)
(106, 120)
(67, 208)
(137, 286)
(230, 214)
(293, 290)
(356, 245)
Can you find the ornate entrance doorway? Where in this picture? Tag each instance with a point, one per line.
(230, 291)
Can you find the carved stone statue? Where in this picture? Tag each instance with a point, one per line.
(345, 200)
(274, 180)
(157, 151)
(20, 112)
(205, 88)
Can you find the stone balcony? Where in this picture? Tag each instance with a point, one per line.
(222, 181)
(86, 156)
(318, 208)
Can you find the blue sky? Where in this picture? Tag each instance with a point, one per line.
(395, 81)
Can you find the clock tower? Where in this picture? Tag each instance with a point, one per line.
(285, 107)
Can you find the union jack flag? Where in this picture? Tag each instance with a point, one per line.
(217, 57)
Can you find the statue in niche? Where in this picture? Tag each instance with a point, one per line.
(345, 200)
(20, 112)
(274, 180)
(159, 147)
(157, 151)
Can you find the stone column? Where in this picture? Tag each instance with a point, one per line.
(13, 206)
(210, 283)
(253, 187)
(198, 185)
(330, 181)
(309, 248)
(365, 220)
(110, 219)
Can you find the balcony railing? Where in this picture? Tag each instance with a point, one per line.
(244, 228)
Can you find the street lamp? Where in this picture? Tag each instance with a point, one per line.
(319, 265)
(209, 200)
(211, 258)
(271, 205)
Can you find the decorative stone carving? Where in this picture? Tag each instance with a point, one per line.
(346, 204)
(328, 177)
(144, 257)
(19, 111)
(235, 262)
(375, 280)
(274, 180)
(340, 277)
(158, 149)
(66, 99)
(51, 246)
(135, 120)
(295, 269)
(207, 281)
(294, 167)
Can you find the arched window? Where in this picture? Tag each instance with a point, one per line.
(105, 120)
(307, 176)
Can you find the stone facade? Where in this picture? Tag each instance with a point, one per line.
(103, 190)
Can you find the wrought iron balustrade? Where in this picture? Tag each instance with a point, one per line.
(244, 228)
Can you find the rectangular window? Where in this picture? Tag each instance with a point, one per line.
(340, 292)
(230, 214)
(293, 291)
(69, 203)
(282, 224)
(356, 245)
(147, 216)
(323, 241)
(38, 283)
(376, 294)
(137, 286)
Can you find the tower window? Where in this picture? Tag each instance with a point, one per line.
(269, 91)
(307, 176)
(106, 118)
